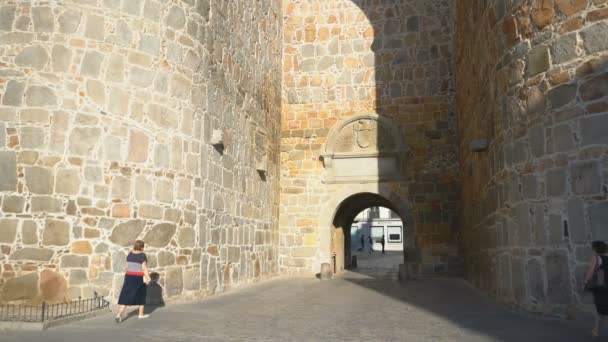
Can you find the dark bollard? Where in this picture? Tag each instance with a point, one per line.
(326, 271)
(353, 263)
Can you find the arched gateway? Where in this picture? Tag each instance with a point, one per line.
(365, 161)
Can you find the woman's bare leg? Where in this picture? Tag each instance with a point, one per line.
(141, 310)
(596, 328)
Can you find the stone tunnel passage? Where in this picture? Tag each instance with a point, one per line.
(347, 231)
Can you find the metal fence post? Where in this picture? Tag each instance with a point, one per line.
(43, 310)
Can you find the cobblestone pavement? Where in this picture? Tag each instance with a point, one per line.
(355, 307)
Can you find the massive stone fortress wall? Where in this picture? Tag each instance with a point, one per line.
(107, 108)
(532, 78)
(344, 58)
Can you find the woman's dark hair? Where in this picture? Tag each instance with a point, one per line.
(599, 247)
(139, 245)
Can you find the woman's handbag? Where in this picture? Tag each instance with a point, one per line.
(598, 280)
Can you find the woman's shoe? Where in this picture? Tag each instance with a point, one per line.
(118, 319)
(143, 316)
(595, 333)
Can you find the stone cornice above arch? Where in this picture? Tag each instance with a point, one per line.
(363, 148)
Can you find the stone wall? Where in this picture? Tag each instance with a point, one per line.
(107, 108)
(344, 58)
(532, 79)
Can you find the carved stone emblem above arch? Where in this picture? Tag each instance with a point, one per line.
(363, 148)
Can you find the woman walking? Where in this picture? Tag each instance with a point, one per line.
(598, 268)
(134, 287)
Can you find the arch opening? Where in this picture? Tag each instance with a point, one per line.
(354, 218)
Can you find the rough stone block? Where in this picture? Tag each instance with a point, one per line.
(29, 232)
(564, 48)
(563, 140)
(593, 130)
(530, 186)
(95, 27)
(160, 235)
(174, 283)
(165, 258)
(8, 170)
(83, 140)
(138, 146)
(91, 64)
(562, 95)
(13, 204)
(598, 219)
(56, 233)
(44, 20)
(555, 182)
(39, 180)
(176, 18)
(186, 237)
(69, 21)
(34, 254)
(556, 231)
(576, 220)
(119, 262)
(143, 189)
(7, 16)
(595, 88)
(46, 204)
(78, 277)
(40, 96)
(538, 60)
(74, 261)
(594, 37)
(536, 282)
(192, 279)
(53, 286)
(81, 247)
(126, 233)
(585, 177)
(558, 277)
(164, 191)
(8, 230)
(13, 94)
(21, 288)
(32, 57)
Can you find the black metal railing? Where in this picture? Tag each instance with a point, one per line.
(48, 312)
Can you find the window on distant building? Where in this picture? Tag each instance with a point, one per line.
(394, 234)
(377, 232)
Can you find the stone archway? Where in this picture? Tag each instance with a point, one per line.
(344, 216)
(345, 205)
